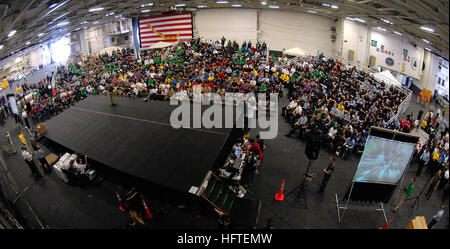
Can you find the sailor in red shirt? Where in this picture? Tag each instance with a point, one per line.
(405, 125)
(256, 149)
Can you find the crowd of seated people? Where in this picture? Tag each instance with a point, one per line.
(338, 103)
(158, 75)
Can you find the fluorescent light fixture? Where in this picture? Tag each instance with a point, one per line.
(62, 23)
(311, 11)
(274, 6)
(83, 22)
(386, 21)
(117, 16)
(381, 28)
(350, 18)
(28, 42)
(202, 6)
(40, 34)
(222, 2)
(53, 5)
(146, 5)
(427, 28)
(334, 6)
(110, 14)
(60, 16)
(428, 49)
(180, 5)
(12, 52)
(263, 2)
(1, 46)
(146, 10)
(427, 41)
(236, 5)
(12, 32)
(326, 4)
(359, 19)
(96, 9)
(95, 22)
(398, 33)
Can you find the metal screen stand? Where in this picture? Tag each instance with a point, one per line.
(340, 207)
(344, 208)
(382, 210)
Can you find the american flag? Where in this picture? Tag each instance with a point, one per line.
(167, 28)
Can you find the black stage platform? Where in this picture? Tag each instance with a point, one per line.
(136, 138)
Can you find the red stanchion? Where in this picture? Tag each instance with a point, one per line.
(280, 195)
(387, 224)
(148, 214)
(122, 206)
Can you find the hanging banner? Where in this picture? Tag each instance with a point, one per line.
(167, 28)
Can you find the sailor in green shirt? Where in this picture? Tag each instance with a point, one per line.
(407, 192)
(263, 87)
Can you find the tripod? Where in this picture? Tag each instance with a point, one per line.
(301, 187)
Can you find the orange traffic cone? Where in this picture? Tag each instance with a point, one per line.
(148, 214)
(122, 206)
(387, 224)
(280, 196)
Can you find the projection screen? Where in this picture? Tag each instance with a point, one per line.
(383, 160)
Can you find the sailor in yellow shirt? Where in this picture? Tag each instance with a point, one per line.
(168, 80)
(22, 139)
(436, 154)
(341, 107)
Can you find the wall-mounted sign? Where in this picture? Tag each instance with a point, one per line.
(414, 63)
(389, 61)
(373, 43)
(405, 54)
(378, 49)
(389, 53)
(403, 67)
(382, 49)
